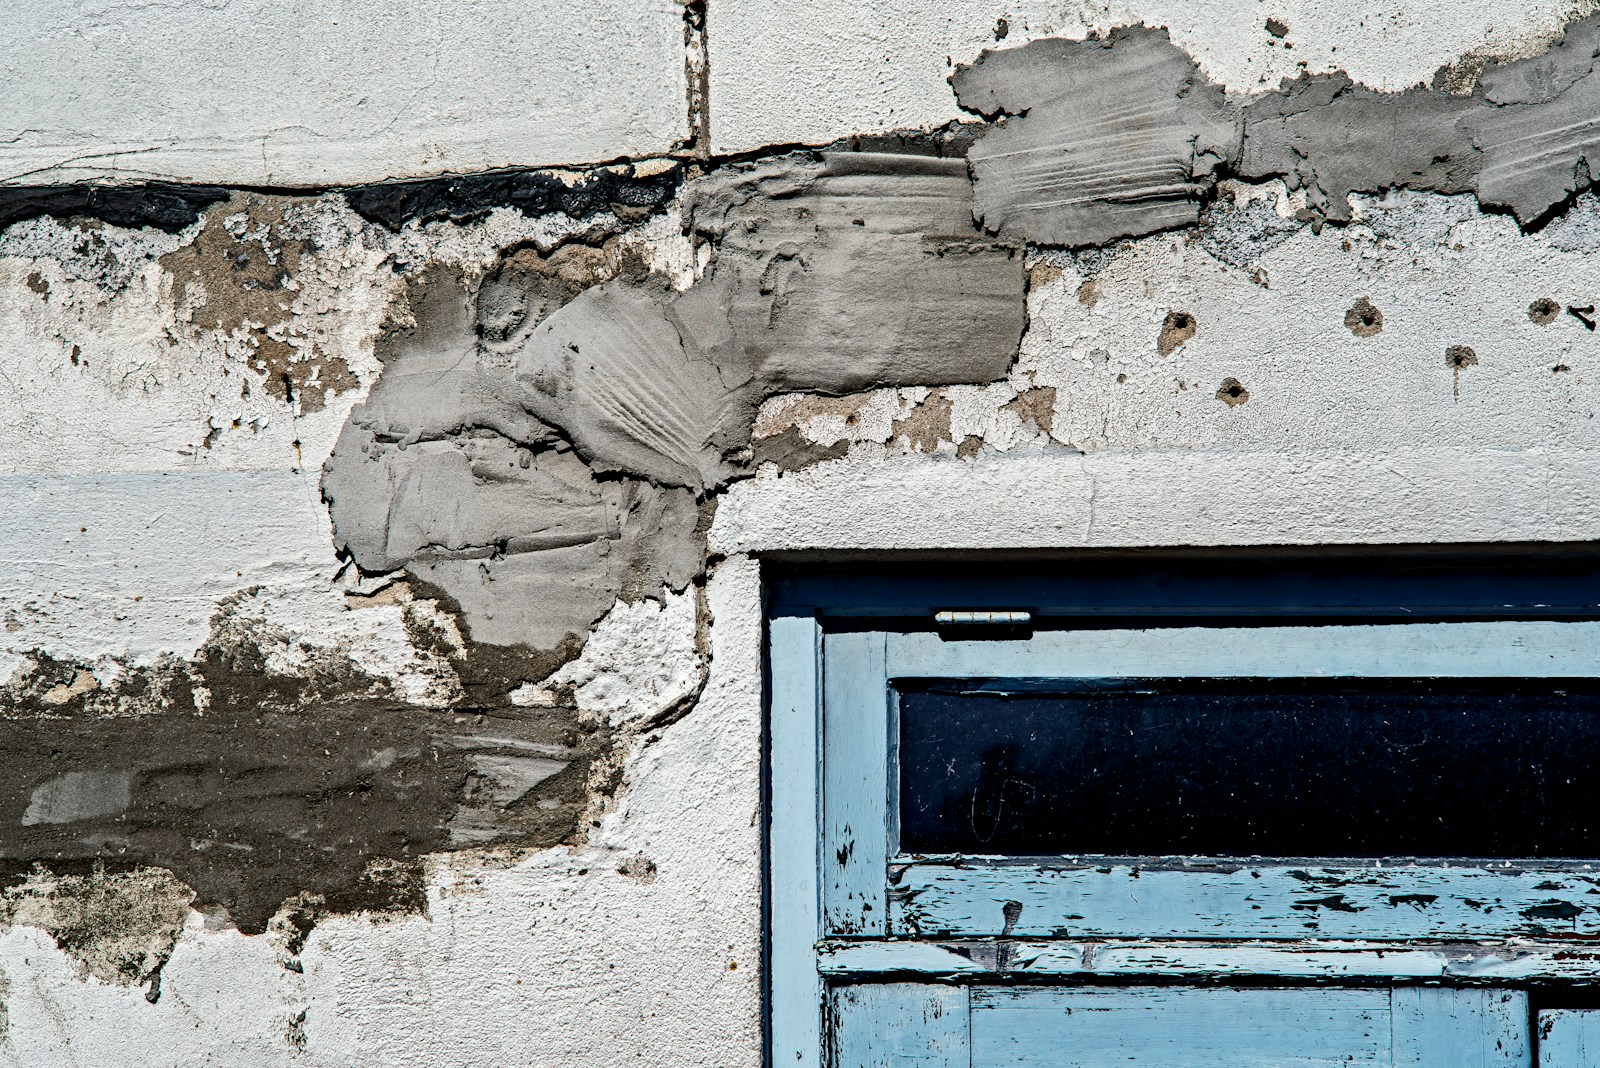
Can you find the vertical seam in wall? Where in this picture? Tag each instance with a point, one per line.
(697, 68)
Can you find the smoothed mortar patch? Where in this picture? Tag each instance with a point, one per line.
(252, 783)
(1123, 135)
(251, 809)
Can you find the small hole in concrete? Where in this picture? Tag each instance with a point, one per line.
(1544, 311)
(1178, 327)
(1232, 392)
(1456, 357)
(1363, 319)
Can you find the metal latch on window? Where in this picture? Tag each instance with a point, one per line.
(956, 618)
(983, 624)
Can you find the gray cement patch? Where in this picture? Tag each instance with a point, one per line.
(636, 395)
(1107, 138)
(1122, 135)
(249, 806)
(861, 271)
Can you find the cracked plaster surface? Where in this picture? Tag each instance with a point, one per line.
(1213, 360)
(809, 74)
(128, 90)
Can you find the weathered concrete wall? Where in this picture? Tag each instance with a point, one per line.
(381, 592)
(290, 93)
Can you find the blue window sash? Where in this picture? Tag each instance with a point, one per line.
(842, 906)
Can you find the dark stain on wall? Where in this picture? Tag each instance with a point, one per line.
(161, 205)
(621, 189)
(250, 806)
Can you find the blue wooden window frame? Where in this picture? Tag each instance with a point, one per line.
(843, 907)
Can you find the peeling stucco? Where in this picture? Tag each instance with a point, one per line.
(120, 927)
(238, 278)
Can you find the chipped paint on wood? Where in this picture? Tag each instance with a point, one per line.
(1121, 900)
(1485, 962)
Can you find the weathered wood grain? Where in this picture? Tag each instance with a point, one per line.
(855, 743)
(1262, 901)
(1462, 963)
(900, 1025)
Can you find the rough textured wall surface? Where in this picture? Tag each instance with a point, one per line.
(273, 92)
(381, 595)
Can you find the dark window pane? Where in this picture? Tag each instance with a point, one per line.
(1258, 767)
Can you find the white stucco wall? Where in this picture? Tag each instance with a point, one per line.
(125, 530)
(810, 73)
(290, 93)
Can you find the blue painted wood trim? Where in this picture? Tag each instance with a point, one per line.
(1568, 1038)
(1042, 900)
(1329, 582)
(794, 990)
(1409, 1027)
(855, 763)
(1468, 650)
(1436, 1027)
(1464, 963)
(1033, 1027)
(901, 1025)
